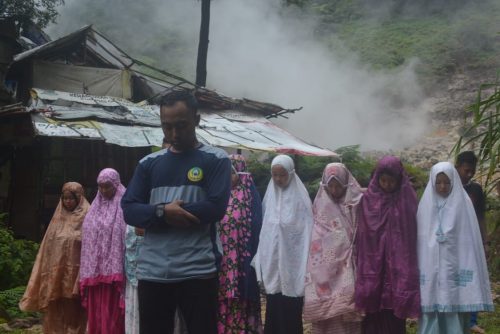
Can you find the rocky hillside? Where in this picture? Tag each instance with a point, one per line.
(448, 116)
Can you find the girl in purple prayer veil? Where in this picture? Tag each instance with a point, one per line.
(102, 277)
(387, 286)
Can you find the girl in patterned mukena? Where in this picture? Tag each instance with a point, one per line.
(453, 274)
(329, 292)
(239, 302)
(102, 277)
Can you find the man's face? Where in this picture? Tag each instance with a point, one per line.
(179, 126)
(466, 172)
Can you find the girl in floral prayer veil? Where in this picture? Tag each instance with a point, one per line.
(329, 293)
(102, 277)
(281, 258)
(239, 298)
(387, 279)
(453, 274)
(53, 285)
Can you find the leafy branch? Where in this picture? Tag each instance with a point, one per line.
(40, 12)
(484, 129)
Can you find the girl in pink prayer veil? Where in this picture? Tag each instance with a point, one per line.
(102, 277)
(329, 292)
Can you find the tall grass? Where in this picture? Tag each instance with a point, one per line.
(484, 130)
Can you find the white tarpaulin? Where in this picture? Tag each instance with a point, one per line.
(57, 117)
(82, 79)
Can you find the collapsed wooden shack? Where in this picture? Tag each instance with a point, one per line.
(89, 106)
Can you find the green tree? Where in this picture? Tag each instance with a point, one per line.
(27, 12)
(483, 129)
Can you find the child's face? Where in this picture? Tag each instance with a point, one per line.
(388, 183)
(69, 200)
(466, 172)
(107, 190)
(279, 175)
(335, 189)
(443, 185)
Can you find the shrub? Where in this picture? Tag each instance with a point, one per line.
(9, 301)
(16, 258)
(360, 167)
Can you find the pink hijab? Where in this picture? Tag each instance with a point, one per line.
(330, 269)
(103, 237)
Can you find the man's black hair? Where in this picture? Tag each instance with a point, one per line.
(185, 96)
(466, 157)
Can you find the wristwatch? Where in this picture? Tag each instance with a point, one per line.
(159, 210)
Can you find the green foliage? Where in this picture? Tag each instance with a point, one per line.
(492, 226)
(261, 171)
(16, 259)
(310, 170)
(401, 40)
(41, 12)
(337, 11)
(361, 168)
(392, 33)
(299, 3)
(418, 177)
(484, 129)
(345, 10)
(438, 42)
(9, 301)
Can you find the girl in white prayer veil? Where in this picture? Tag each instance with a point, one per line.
(281, 258)
(453, 274)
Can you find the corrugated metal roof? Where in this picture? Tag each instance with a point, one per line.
(118, 121)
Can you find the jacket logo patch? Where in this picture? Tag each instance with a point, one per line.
(195, 174)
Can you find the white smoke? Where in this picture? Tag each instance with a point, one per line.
(260, 51)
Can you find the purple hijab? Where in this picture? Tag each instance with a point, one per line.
(386, 243)
(103, 237)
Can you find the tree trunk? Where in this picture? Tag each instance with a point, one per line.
(201, 64)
